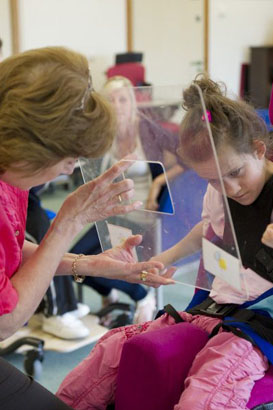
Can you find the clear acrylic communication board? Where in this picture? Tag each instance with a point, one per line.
(171, 188)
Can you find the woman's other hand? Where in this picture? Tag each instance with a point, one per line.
(166, 275)
(99, 199)
(119, 263)
(267, 237)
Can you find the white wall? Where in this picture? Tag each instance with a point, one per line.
(170, 33)
(96, 28)
(5, 28)
(235, 25)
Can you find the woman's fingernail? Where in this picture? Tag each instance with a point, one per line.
(137, 204)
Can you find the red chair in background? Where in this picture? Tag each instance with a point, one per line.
(134, 71)
(130, 65)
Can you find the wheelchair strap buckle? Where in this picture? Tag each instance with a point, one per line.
(210, 308)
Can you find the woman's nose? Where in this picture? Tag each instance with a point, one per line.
(115, 103)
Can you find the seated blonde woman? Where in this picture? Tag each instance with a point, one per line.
(145, 138)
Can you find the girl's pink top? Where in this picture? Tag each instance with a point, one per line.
(222, 292)
(13, 211)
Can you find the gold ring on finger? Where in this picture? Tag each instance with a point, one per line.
(143, 275)
(119, 198)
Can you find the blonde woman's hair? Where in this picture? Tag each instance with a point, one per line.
(48, 110)
(117, 81)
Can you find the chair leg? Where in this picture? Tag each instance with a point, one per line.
(80, 292)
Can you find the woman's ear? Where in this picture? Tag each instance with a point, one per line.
(259, 149)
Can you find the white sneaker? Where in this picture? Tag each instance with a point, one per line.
(145, 309)
(81, 311)
(36, 321)
(65, 327)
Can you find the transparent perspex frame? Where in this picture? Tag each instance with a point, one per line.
(151, 132)
(222, 261)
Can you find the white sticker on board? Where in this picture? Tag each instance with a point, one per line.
(118, 234)
(221, 264)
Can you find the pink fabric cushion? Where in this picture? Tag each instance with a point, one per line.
(154, 365)
(262, 391)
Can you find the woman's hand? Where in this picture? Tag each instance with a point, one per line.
(99, 199)
(267, 237)
(119, 263)
(166, 275)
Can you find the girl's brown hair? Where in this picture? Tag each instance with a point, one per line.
(234, 123)
(48, 110)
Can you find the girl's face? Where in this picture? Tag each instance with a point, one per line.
(244, 175)
(64, 167)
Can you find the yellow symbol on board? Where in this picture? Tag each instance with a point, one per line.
(222, 263)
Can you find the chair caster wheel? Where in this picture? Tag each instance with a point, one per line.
(122, 320)
(33, 364)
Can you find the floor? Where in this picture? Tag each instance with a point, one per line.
(57, 365)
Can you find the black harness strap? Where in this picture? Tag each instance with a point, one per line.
(232, 329)
(173, 313)
(210, 308)
(261, 324)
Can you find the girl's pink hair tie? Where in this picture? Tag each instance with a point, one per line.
(209, 116)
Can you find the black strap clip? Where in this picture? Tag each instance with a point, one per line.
(218, 310)
(210, 308)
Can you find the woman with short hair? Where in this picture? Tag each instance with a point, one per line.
(49, 116)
